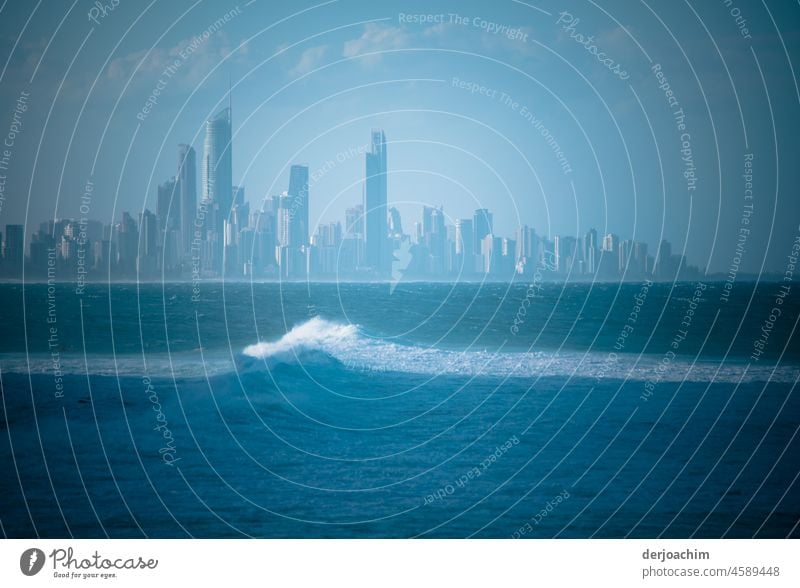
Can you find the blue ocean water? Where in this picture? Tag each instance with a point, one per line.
(409, 410)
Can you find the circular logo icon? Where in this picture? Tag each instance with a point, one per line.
(31, 561)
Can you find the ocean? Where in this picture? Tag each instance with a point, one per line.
(399, 410)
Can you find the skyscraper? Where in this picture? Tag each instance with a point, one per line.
(611, 243)
(187, 190)
(465, 245)
(625, 253)
(375, 198)
(14, 249)
(565, 249)
(667, 265)
(640, 258)
(148, 243)
(238, 195)
(590, 251)
(395, 223)
(284, 221)
(217, 184)
(354, 220)
(168, 206)
(482, 222)
(127, 239)
(298, 206)
(492, 250)
(217, 167)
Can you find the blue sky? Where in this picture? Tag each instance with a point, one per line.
(311, 79)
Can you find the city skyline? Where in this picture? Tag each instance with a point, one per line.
(544, 148)
(219, 237)
(276, 241)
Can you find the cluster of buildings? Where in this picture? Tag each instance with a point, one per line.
(218, 235)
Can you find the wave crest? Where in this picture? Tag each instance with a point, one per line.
(316, 334)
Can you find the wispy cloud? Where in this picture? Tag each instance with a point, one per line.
(376, 37)
(309, 60)
(187, 62)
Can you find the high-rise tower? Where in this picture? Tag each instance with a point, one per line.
(377, 253)
(217, 184)
(217, 168)
(298, 207)
(187, 195)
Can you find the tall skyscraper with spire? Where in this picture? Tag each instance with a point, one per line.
(217, 161)
(187, 195)
(217, 182)
(377, 253)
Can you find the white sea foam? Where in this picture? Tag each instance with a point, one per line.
(319, 340)
(362, 353)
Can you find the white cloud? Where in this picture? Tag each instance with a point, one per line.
(309, 60)
(376, 37)
(195, 58)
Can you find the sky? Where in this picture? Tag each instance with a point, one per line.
(554, 115)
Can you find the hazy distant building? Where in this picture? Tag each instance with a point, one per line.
(148, 244)
(667, 265)
(395, 224)
(238, 195)
(465, 245)
(509, 257)
(168, 205)
(492, 250)
(283, 221)
(187, 190)
(13, 250)
(378, 256)
(625, 254)
(565, 249)
(611, 243)
(127, 242)
(482, 224)
(217, 184)
(217, 161)
(298, 205)
(354, 220)
(590, 254)
(640, 259)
